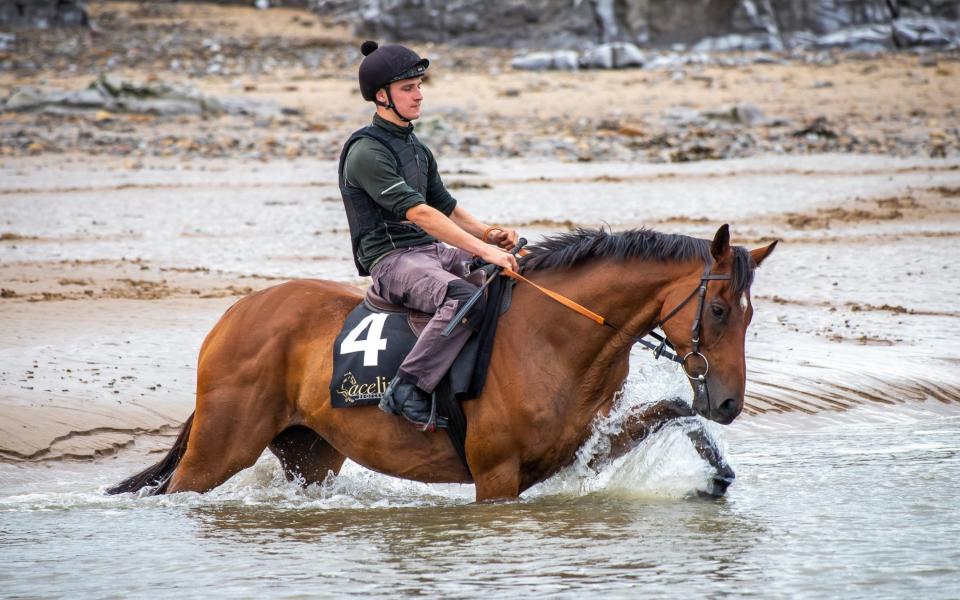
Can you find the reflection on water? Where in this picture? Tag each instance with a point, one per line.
(551, 544)
(819, 509)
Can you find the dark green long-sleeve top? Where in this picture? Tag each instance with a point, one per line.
(371, 167)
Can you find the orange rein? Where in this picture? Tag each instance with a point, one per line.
(578, 308)
(599, 320)
(658, 349)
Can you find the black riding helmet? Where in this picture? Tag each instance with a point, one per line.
(382, 65)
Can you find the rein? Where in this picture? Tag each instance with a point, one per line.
(658, 349)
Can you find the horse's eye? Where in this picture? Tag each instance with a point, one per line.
(717, 310)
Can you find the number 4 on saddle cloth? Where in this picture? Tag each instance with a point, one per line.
(377, 336)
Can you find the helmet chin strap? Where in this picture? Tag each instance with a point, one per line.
(391, 105)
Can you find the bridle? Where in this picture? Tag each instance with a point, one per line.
(661, 349)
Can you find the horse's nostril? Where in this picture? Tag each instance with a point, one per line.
(728, 407)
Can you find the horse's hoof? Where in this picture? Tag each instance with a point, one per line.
(717, 486)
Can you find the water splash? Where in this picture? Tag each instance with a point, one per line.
(664, 465)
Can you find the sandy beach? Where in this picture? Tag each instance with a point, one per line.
(124, 236)
(112, 276)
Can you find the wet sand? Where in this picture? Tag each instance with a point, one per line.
(124, 237)
(113, 275)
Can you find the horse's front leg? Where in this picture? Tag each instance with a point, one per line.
(641, 424)
(723, 472)
(652, 418)
(499, 483)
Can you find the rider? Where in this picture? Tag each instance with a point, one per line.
(407, 231)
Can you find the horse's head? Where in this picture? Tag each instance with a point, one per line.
(710, 328)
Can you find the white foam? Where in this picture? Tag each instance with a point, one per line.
(664, 465)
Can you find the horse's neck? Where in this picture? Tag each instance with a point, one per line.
(592, 358)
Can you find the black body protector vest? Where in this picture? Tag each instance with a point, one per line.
(363, 214)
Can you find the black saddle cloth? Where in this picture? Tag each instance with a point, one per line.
(376, 337)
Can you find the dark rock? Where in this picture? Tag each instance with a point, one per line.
(818, 128)
(680, 116)
(113, 94)
(674, 61)
(862, 38)
(438, 133)
(743, 114)
(502, 23)
(723, 25)
(800, 40)
(43, 14)
(926, 32)
(695, 151)
(733, 42)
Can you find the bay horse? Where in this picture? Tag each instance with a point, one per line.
(263, 373)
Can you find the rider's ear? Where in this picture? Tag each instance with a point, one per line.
(760, 254)
(720, 246)
(381, 96)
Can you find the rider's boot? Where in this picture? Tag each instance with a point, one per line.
(413, 404)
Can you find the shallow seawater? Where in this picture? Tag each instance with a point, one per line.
(857, 506)
(862, 503)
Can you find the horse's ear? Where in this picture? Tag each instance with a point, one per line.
(760, 254)
(720, 246)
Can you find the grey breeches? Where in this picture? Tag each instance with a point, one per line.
(429, 279)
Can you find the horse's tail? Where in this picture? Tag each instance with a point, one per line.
(159, 474)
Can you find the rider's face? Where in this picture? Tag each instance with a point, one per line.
(407, 96)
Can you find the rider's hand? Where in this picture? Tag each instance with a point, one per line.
(501, 258)
(505, 238)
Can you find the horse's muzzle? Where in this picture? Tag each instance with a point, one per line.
(727, 411)
(723, 412)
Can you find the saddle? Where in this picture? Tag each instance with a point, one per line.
(377, 335)
(415, 319)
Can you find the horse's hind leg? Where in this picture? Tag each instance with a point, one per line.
(305, 455)
(228, 436)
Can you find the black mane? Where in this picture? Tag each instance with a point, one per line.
(564, 250)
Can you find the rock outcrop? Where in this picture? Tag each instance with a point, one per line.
(575, 24)
(115, 95)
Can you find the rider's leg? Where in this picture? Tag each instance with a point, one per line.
(432, 355)
(430, 358)
(421, 278)
(454, 260)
